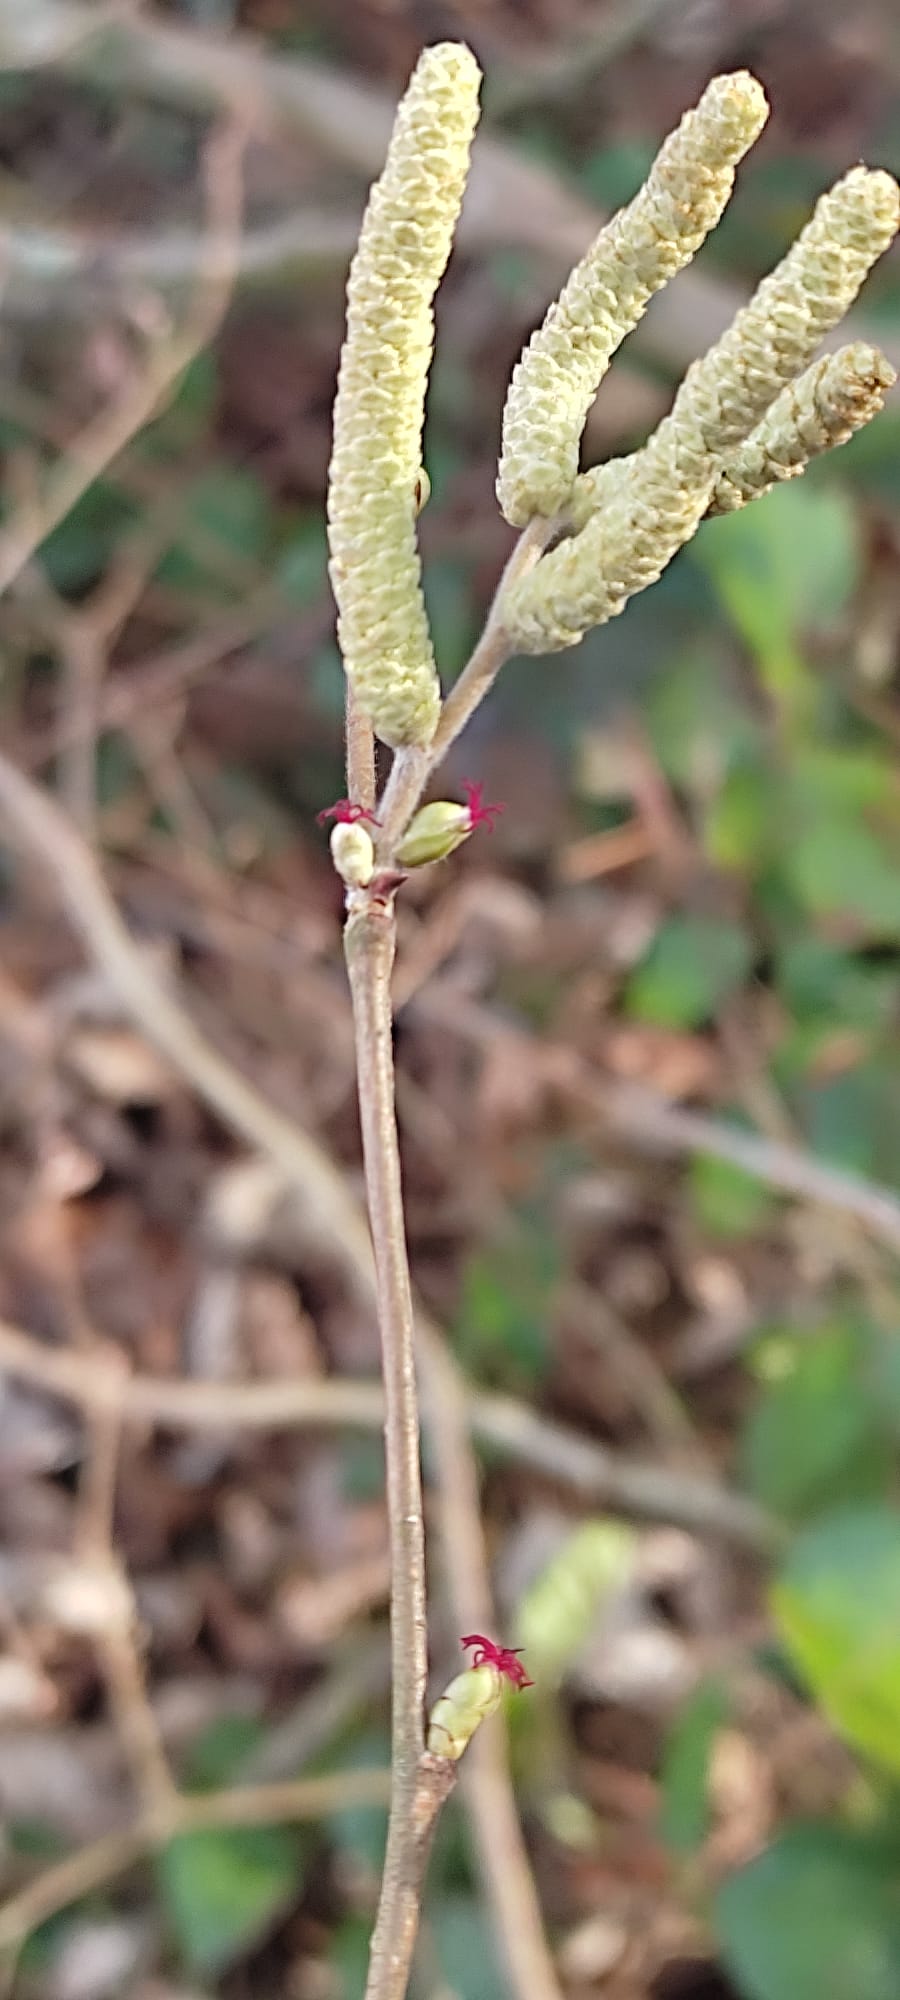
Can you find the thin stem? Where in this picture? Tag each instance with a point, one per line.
(369, 946)
(412, 768)
(493, 648)
(360, 738)
(404, 788)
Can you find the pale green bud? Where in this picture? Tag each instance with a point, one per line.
(353, 854)
(468, 1701)
(433, 833)
(376, 461)
(833, 399)
(557, 378)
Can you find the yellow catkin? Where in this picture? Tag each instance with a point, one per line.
(645, 507)
(556, 380)
(375, 476)
(833, 399)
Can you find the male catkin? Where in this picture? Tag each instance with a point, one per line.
(375, 483)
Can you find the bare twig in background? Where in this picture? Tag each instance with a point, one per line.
(115, 1628)
(591, 1470)
(595, 44)
(510, 200)
(655, 1125)
(100, 1864)
(82, 636)
(88, 269)
(633, 1366)
(107, 434)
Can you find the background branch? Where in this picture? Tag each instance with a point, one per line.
(107, 434)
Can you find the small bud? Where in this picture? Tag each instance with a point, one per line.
(353, 854)
(469, 1700)
(433, 833)
(436, 829)
(421, 489)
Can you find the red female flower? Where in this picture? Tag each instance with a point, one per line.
(480, 815)
(504, 1658)
(346, 814)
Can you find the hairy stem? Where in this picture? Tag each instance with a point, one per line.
(369, 946)
(412, 768)
(492, 650)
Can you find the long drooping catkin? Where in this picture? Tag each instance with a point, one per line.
(640, 511)
(373, 497)
(557, 378)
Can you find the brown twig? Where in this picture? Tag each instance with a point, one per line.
(655, 1125)
(592, 1471)
(412, 768)
(369, 941)
(360, 739)
(115, 1634)
(107, 434)
(104, 1860)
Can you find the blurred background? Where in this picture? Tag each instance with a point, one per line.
(675, 960)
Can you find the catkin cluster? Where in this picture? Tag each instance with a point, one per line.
(749, 413)
(374, 482)
(557, 378)
(630, 519)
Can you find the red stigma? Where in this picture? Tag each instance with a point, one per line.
(480, 815)
(346, 814)
(504, 1658)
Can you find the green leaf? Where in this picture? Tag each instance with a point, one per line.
(301, 571)
(693, 964)
(698, 724)
(232, 507)
(222, 1890)
(685, 1768)
(836, 776)
(451, 614)
(837, 1602)
(812, 1437)
(727, 1201)
(464, 1948)
(504, 1313)
(77, 552)
(216, 1755)
(742, 824)
(816, 1917)
(837, 866)
(560, 1608)
(823, 984)
(783, 564)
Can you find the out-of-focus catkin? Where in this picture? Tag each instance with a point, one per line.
(557, 378)
(633, 516)
(832, 400)
(375, 477)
